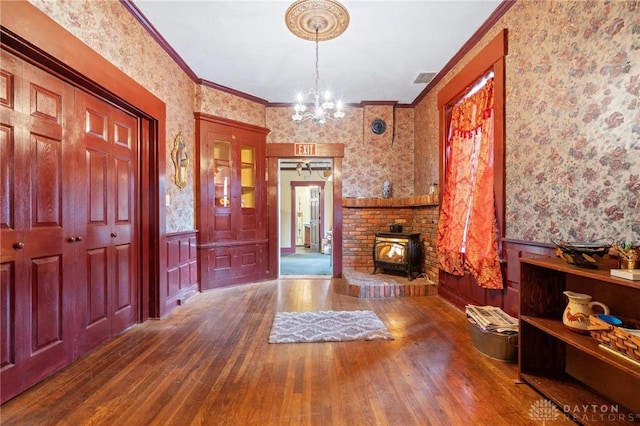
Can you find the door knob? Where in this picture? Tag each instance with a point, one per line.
(113, 235)
(78, 238)
(71, 240)
(18, 246)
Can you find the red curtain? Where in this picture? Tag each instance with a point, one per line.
(467, 228)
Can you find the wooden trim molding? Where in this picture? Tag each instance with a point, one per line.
(231, 123)
(231, 91)
(527, 243)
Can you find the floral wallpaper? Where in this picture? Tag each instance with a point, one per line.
(572, 120)
(426, 150)
(574, 152)
(572, 116)
(222, 104)
(369, 159)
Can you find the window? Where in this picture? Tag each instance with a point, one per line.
(472, 168)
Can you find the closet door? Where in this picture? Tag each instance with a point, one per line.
(37, 153)
(107, 190)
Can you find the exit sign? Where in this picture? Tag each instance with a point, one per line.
(305, 149)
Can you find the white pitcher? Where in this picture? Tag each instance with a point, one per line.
(576, 314)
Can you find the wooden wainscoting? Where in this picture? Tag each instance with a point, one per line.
(182, 268)
(465, 290)
(514, 250)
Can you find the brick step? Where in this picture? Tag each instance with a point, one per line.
(366, 285)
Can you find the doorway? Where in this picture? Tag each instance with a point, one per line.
(274, 153)
(305, 194)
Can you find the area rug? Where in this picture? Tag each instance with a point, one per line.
(327, 326)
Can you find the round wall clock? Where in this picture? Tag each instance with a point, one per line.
(378, 126)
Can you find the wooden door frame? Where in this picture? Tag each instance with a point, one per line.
(33, 36)
(276, 151)
(302, 184)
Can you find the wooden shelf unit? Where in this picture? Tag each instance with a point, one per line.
(231, 202)
(570, 368)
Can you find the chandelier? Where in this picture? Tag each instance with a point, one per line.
(321, 100)
(317, 20)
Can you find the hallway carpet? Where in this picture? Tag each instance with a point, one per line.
(305, 264)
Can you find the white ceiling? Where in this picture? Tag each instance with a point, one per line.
(246, 45)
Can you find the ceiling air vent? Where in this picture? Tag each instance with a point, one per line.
(424, 77)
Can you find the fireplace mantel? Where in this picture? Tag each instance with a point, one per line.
(416, 201)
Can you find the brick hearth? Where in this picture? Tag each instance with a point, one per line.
(363, 217)
(367, 285)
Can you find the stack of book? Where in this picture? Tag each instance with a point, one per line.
(628, 274)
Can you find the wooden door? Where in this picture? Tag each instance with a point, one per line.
(314, 236)
(37, 224)
(107, 194)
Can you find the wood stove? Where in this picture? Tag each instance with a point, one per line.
(397, 251)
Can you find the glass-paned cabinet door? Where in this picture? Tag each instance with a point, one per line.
(222, 173)
(248, 176)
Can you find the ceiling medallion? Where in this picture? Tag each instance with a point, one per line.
(324, 19)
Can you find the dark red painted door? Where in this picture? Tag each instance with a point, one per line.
(68, 250)
(106, 200)
(37, 222)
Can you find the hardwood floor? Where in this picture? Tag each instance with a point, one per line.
(209, 362)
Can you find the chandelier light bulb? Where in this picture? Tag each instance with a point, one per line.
(327, 105)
